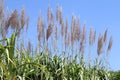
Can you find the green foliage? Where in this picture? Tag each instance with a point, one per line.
(115, 75)
(12, 67)
(15, 66)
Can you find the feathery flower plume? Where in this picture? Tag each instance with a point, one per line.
(40, 28)
(1, 9)
(49, 31)
(110, 44)
(66, 27)
(100, 44)
(7, 24)
(66, 33)
(78, 30)
(105, 36)
(94, 36)
(52, 19)
(29, 47)
(48, 13)
(23, 17)
(68, 39)
(60, 16)
(38, 24)
(56, 32)
(50, 16)
(91, 37)
(72, 31)
(27, 23)
(57, 13)
(2, 19)
(84, 33)
(74, 28)
(14, 19)
(62, 29)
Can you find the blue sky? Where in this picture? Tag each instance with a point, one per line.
(99, 14)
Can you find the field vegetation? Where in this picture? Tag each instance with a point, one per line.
(60, 50)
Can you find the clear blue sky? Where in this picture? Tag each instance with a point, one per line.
(100, 14)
